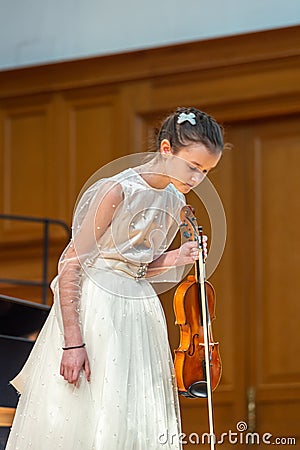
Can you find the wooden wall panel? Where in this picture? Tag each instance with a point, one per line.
(277, 258)
(227, 89)
(277, 154)
(92, 138)
(265, 222)
(25, 184)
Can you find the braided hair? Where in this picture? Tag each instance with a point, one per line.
(188, 125)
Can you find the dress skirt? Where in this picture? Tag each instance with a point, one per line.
(131, 402)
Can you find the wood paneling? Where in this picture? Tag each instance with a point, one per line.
(277, 158)
(91, 138)
(265, 219)
(25, 186)
(60, 123)
(275, 371)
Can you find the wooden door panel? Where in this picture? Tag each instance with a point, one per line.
(278, 219)
(276, 309)
(268, 152)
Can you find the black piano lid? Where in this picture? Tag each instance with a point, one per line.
(20, 320)
(21, 317)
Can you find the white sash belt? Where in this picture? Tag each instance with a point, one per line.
(136, 271)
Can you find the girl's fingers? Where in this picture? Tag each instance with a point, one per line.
(69, 375)
(72, 375)
(75, 376)
(87, 370)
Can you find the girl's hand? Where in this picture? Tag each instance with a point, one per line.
(71, 364)
(189, 253)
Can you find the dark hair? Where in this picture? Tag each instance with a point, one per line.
(204, 129)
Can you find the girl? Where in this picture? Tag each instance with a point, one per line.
(100, 375)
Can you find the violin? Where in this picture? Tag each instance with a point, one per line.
(197, 362)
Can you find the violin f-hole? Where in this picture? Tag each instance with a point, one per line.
(193, 345)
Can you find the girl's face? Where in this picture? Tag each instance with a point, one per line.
(189, 166)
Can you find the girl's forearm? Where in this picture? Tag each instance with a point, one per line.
(188, 253)
(69, 287)
(164, 262)
(72, 331)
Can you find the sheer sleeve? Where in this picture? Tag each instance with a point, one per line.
(92, 216)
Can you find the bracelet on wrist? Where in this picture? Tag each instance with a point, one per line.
(74, 346)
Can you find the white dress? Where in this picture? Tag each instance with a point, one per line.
(131, 402)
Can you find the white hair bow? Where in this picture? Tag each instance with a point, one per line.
(184, 117)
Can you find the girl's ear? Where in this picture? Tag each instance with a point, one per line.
(165, 147)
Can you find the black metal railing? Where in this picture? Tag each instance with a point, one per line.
(44, 283)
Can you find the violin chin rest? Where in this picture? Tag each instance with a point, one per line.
(198, 389)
